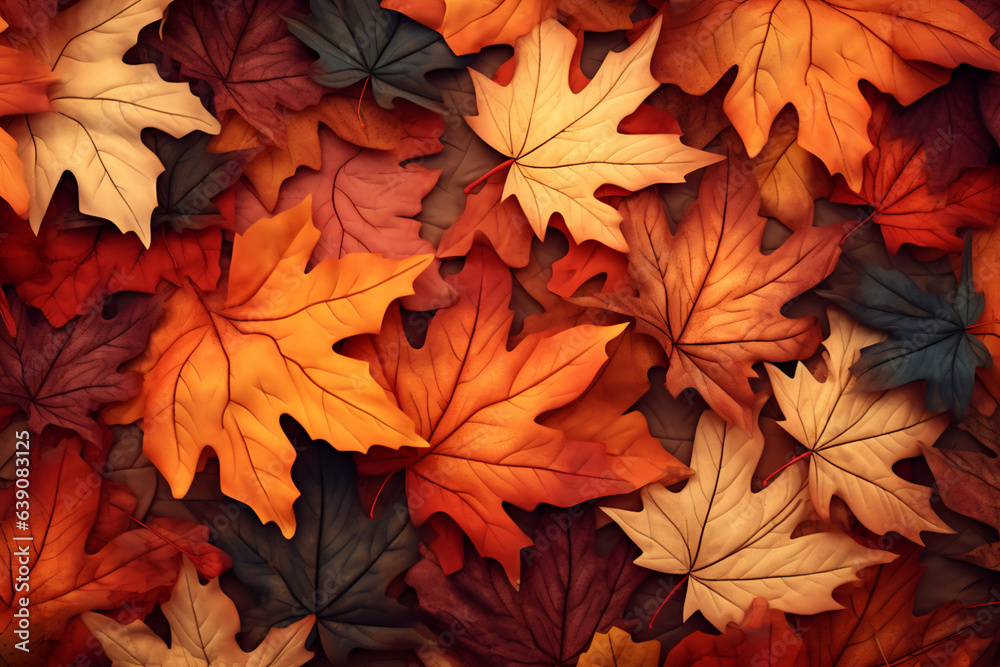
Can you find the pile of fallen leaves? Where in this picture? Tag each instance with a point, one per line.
(500, 332)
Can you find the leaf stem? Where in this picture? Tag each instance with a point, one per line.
(856, 227)
(982, 324)
(803, 455)
(679, 584)
(379, 493)
(360, 97)
(502, 165)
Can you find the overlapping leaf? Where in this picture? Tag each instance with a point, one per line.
(244, 51)
(337, 567)
(709, 295)
(223, 366)
(929, 337)
(812, 54)
(97, 109)
(476, 403)
(203, 625)
(564, 145)
(567, 594)
(734, 546)
(359, 41)
(854, 436)
(67, 575)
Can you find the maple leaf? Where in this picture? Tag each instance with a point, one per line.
(244, 51)
(764, 637)
(192, 178)
(711, 298)
(968, 480)
(271, 165)
(563, 145)
(223, 366)
(897, 185)
(812, 55)
(615, 647)
(471, 26)
(69, 575)
(358, 40)
(929, 337)
(568, 593)
(476, 403)
(203, 625)
(734, 546)
(337, 567)
(69, 272)
(877, 624)
(985, 264)
(23, 82)
(788, 176)
(62, 376)
(97, 109)
(352, 211)
(853, 437)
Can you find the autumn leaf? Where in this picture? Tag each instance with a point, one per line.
(929, 329)
(568, 593)
(476, 403)
(733, 545)
(23, 82)
(897, 186)
(244, 51)
(877, 624)
(271, 165)
(615, 647)
(812, 55)
(471, 26)
(853, 437)
(788, 176)
(97, 109)
(203, 625)
(69, 272)
(564, 145)
(711, 298)
(223, 366)
(359, 41)
(336, 568)
(62, 376)
(352, 211)
(192, 178)
(131, 567)
(967, 481)
(763, 638)
(584, 261)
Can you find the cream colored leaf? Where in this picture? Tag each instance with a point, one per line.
(564, 145)
(203, 627)
(856, 436)
(735, 545)
(98, 109)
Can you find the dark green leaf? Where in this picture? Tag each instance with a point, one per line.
(356, 39)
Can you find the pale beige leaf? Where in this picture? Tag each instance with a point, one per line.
(856, 436)
(735, 545)
(203, 627)
(565, 145)
(98, 109)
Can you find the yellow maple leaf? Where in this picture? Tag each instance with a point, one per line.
(734, 545)
(615, 647)
(854, 436)
(222, 367)
(203, 627)
(97, 110)
(564, 145)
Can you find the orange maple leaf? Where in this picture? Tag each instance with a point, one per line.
(223, 366)
(476, 403)
(812, 54)
(709, 295)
